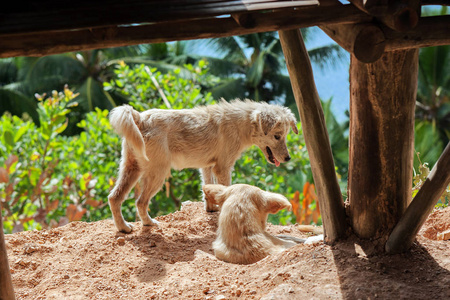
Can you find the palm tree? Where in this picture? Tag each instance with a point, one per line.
(84, 71)
(253, 66)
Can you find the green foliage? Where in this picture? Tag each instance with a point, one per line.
(29, 158)
(419, 178)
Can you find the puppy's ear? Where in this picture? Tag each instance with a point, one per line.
(293, 123)
(267, 121)
(214, 193)
(276, 202)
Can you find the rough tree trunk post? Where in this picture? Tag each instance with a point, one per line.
(382, 103)
(417, 212)
(315, 133)
(6, 288)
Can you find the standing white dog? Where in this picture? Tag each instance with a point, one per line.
(210, 137)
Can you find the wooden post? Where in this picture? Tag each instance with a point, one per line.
(6, 288)
(315, 133)
(417, 212)
(382, 103)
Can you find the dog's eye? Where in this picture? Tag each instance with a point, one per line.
(277, 137)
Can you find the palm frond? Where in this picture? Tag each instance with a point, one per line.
(8, 72)
(230, 89)
(327, 56)
(17, 104)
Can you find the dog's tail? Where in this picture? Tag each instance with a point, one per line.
(124, 119)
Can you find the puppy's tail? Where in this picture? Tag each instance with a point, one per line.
(124, 119)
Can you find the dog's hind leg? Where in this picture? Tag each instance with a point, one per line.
(150, 186)
(129, 174)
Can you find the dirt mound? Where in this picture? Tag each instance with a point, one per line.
(175, 261)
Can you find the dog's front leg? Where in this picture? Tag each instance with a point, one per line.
(207, 178)
(223, 176)
(207, 175)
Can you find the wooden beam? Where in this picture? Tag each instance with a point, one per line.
(49, 15)
(366, 41)
(315, 133)
(404, 233)
(6, 288)
(372, 7)
(400, 15)
(429, 32)
(381, 142)
(46, 43)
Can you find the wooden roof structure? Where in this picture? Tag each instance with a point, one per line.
(383, 37)
(49, 26)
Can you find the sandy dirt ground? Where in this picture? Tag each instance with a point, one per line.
(176, 261)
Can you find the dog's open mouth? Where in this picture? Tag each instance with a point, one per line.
(272, 158)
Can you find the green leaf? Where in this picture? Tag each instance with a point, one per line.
(20, 133)
(9, 138)
(62, 127)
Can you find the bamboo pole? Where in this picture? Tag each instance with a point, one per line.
(417, 212)
(315, 133)
(6, 288)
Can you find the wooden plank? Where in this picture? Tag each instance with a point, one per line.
(6, 288)
(381, 142)
(404, 233)
(315, 134)
(101, 13)
(65, 41)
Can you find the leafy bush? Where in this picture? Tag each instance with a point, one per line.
(47, 179)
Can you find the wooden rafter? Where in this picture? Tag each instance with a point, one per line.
(400, 15)
(370, 40)
(52, 42)
(49, 15)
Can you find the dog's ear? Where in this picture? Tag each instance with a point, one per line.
(276, 202)
(293, 123)
(214, 193)
(264, 120)
(292, 120)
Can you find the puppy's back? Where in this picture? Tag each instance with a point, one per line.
(241, 235)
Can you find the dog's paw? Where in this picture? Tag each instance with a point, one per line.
(212, 208)
(126, 228)
(150, 222)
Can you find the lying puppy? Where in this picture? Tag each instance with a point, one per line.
(209, 137)
(241, 235)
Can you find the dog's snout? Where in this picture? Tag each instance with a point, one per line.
(287, 158)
